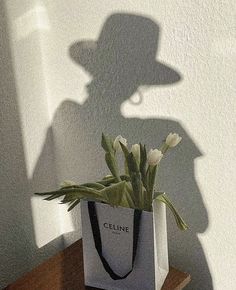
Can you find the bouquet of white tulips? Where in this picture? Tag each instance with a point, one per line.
(132, 188)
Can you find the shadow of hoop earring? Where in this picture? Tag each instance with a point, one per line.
(134, 101)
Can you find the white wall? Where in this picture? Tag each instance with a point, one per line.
(197, 39)
(29, 229)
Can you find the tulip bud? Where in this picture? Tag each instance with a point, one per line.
(135, 149)
(154, 157)
(173, 139)
(119, 139)
(66, 183)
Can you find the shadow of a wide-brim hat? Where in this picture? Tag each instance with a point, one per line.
(127, 46)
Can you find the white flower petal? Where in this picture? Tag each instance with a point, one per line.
(154, 157)
(119, 139)
(173, 139)
(135, 149)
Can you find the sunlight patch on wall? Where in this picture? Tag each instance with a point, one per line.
(47, 221)
(29, 68)
(224, 47)
(33, 20)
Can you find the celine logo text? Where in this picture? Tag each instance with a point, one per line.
(116, 227)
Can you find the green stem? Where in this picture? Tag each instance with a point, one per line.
(164, 148)
(179, 221)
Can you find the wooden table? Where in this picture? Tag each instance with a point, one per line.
(64, 271)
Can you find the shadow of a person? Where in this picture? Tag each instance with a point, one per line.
(122, 60)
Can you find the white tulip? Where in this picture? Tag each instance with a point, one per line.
(173, 139)
(66, 183)
(154, 157)
(119, 139)
(135, 149)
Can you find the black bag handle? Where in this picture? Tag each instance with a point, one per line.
(98, 241)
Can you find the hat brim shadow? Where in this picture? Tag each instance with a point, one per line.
(155, 73)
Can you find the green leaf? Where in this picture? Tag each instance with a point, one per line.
(135, 176)
(114, 194)
(126, 167)
(107, 182)
(132, 164)
(125, 150)
(128, 197)
(51, 194)
(164, 148)
(143, 157)
(88, 192)
(112, 165)
(151, 176)
(126, 153)
(137, 189)
(94, 185)
(136, 181)
(125, 177)
(72, 185)
(162, 197)
(73, 205)
(143, 164)
(54, 195)
(130, 192)
(130, 160)
(107, 177)
(147, 202)
(111, 179)
(72, 194)
(107, 143)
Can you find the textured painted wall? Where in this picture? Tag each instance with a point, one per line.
(91, 93)
(90, 89)
(29, 229)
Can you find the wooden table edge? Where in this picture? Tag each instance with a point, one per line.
(56, 264)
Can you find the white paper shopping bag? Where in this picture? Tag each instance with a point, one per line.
(124, 249)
